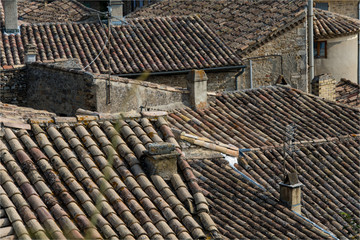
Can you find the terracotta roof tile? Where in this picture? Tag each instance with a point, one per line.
(258, 117)
(348, 92)
(156, 44)
(243, 24)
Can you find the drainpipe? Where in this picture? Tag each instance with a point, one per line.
(251, 77)
(358, 80)
(311, 38)
(237, 75)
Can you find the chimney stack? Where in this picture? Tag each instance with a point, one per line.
(30, 53)
(290, 192)
(197, 85)
(11, 16)
(116, 12)
(161, 159)
(324, 86)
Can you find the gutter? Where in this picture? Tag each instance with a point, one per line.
(184, 71)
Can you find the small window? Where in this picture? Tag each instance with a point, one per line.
(323, 6)
(320, 49)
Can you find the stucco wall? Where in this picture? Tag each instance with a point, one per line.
(127, 96)
(217, 81)
(341, 61)
(292, 46)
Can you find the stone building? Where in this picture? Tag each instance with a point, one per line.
(270, 36)
(345, 7)
(155, 49)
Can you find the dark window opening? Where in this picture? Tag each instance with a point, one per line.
(320, 49)
(323, 6)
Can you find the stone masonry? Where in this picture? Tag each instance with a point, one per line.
(344, 7)
(13, 86)
(324, 87)
(268, 65)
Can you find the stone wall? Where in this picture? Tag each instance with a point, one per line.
(345, 7)
(292, 46)
(127, 95)
(13, 86)
(217, 81)
(60, 90)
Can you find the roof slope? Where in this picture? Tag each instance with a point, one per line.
(328, 170)
(258, 117)
(244, 25)
(328, 24)
(158, 44)
(35, 11)
(85, 180)
(348, 92)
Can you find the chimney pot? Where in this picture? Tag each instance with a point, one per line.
(290, 192)
(11, 16)
(30, 53)
(161, 159)
(197, 85)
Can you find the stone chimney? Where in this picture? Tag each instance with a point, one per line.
(30, 53)
(117, 12)
(11, 16)
(290, 192)
(324, 86)
(161, 159)
(197, 85)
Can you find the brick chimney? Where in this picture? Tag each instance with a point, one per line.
(11, 16)
(197, 85)
(161, 159)
(290, 192)
(117, 12)
(324, 86)
(30, 53)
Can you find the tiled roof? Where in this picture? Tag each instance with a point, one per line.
(348, 92)
(12, 115)
(240, 23)
(158, 44)
(35, 11)
(258, 117)
(244, 25)
(85, 179)
(328, 170)
(328, 24)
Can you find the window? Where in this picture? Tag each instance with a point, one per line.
(320, 49)
(323, 6)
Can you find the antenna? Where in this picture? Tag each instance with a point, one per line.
(289, 146)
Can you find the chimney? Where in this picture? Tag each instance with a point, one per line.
(290, 192)
(324, 86)
(161, 159)
(116, 9)
(197, 85)
(11, 16)
(30, 53)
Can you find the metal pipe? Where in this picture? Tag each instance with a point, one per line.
(251, 77)
(311, 38)
(358, 80)
(182, 71)
(242, 70)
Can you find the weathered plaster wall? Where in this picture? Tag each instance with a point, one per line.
(216, 80)
(59, 90)
(126, 96)
(292, 46)
(341, 61)
(13, 86)
(345, 7)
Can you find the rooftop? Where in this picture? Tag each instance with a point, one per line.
(158, 44)
(348, 92)
(245, 25)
